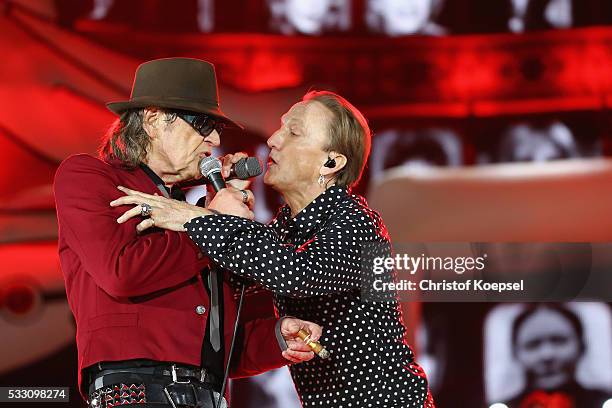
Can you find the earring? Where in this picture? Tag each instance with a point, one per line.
(321, 180)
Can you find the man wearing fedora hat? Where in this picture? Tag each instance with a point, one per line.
(155, 321)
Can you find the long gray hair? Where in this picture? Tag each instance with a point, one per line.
(126, 140)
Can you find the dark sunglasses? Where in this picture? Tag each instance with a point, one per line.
(203, 124)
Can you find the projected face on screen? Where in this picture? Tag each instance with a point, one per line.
(313, 17)
(548, 347)
(540, 14)
(539, 355)
(415, 149)
(307, 16)
(403, 17)
(537, 142)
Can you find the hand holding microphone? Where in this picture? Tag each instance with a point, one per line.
(238, 169)
(227, 200)
(235, 167)
(173, 214)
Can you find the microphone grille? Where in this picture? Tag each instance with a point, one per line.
(247, 168)
(209, 165)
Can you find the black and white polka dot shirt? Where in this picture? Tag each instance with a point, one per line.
(312, 264)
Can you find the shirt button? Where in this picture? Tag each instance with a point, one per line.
(200, 309)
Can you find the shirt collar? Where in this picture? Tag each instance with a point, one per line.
(174, 192)
(156, 179)
(313, 214)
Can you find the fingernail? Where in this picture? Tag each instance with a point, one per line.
(120, 188)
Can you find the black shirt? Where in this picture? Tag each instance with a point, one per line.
(312, 263)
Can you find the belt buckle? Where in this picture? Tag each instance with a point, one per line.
(196, 399)
(175, 376)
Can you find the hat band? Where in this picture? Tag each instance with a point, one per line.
(162, 99)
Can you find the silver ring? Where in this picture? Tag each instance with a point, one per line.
(245, 196)
(145, 210)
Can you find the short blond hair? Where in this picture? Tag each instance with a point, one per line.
(349, 134)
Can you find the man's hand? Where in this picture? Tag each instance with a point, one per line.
(165, 212)
(231, 201)
(228, 161)
(297, 350)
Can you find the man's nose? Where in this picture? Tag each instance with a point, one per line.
(273, 141)
(214, 139)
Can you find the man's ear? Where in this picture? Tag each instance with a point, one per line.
(340, 161)
(149, 120)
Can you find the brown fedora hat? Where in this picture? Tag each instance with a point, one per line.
(175, 83)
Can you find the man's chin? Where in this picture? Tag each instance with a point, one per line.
(268, 179)
(188, 176)
(552, 380)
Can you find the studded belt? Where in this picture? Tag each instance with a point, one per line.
(113, 384)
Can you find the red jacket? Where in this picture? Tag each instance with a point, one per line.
(106, 265)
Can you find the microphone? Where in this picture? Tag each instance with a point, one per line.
(210, 167)
(244, 169)
(314, 345)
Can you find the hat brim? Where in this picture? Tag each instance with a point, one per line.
(175, 103)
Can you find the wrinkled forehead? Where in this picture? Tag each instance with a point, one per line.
(311, 115)
(295, 113)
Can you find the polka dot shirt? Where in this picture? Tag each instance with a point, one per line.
(312, 264)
